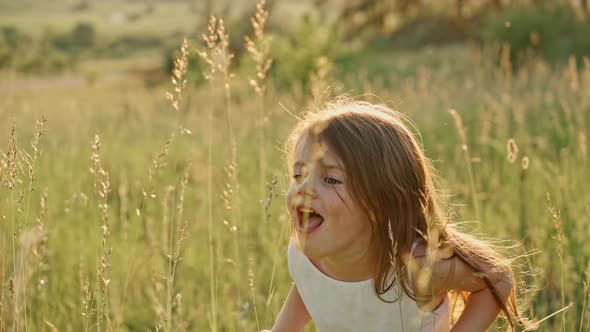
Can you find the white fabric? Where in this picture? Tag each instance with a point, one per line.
(337, 306)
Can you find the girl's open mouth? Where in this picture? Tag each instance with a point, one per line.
(308, 220)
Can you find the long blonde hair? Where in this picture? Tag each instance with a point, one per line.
(389, 175)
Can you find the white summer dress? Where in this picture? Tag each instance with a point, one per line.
(338, 306)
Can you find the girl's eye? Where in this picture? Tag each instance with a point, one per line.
(331, 181)
(297, 176)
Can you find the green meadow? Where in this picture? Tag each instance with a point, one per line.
(122, 209)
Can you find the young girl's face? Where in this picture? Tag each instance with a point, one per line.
(328, 222)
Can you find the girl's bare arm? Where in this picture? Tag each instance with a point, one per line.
(452, 273)
(293, 316)
(481, 308)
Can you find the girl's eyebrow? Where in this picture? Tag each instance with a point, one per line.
(328, 166)
(322, 163)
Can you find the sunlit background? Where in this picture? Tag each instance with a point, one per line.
(132, 201)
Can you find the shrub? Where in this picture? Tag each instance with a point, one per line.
(429, 30)
(550, 32)
(82, 36)
(194, 72)
(12, 44)
(296, 57)
(127, 44)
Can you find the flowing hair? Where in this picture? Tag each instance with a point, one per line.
(388, 174)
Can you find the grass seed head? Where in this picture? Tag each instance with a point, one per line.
(512, 150)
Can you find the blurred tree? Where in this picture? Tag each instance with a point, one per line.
(460, 4)
(374, 14)
(378, 15)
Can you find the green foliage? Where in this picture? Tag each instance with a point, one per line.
(429, 30)
(194, 71)
(20, 51)
(126, 45)
(82, 36)
(551, 32)
(13, 38)
(296, 55)
(12, 41)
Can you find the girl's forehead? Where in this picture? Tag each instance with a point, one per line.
(308, 151)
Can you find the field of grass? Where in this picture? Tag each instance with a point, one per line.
(121, 213)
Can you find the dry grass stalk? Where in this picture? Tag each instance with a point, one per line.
(524, 163)
(228, 193)
(573, 73)
(465, 148)
(11, 170)
(585, 296)
(259, 47)
(175, 255)
(166, 222)
(223, 58)
(123, 192)
(218, 58)
(40, 251)
(557, 223)
(320, 91)
(271, 286)
(11, 318)
(179, 76)
(158, 163)
(157, 306)
(586, 71)
(39, 131)
(87, 304)
(79, 198)
(271, 194)
(231, 198)
(102, 188)
(173, 259)
(31, 160)
(3, 326)
(10, 161)
(251, 282)
(512, 150)
(210, 40)
(31, 259)
(231, 201)
(19, 202)
(506, 66)
(460, 128)
(181, 192)
(583, 144)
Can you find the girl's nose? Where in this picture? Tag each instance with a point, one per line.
(306, 187)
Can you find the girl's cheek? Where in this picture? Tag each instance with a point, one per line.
(290, 193)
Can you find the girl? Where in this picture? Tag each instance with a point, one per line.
(370, 248)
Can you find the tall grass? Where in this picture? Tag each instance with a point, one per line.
(194, 237)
